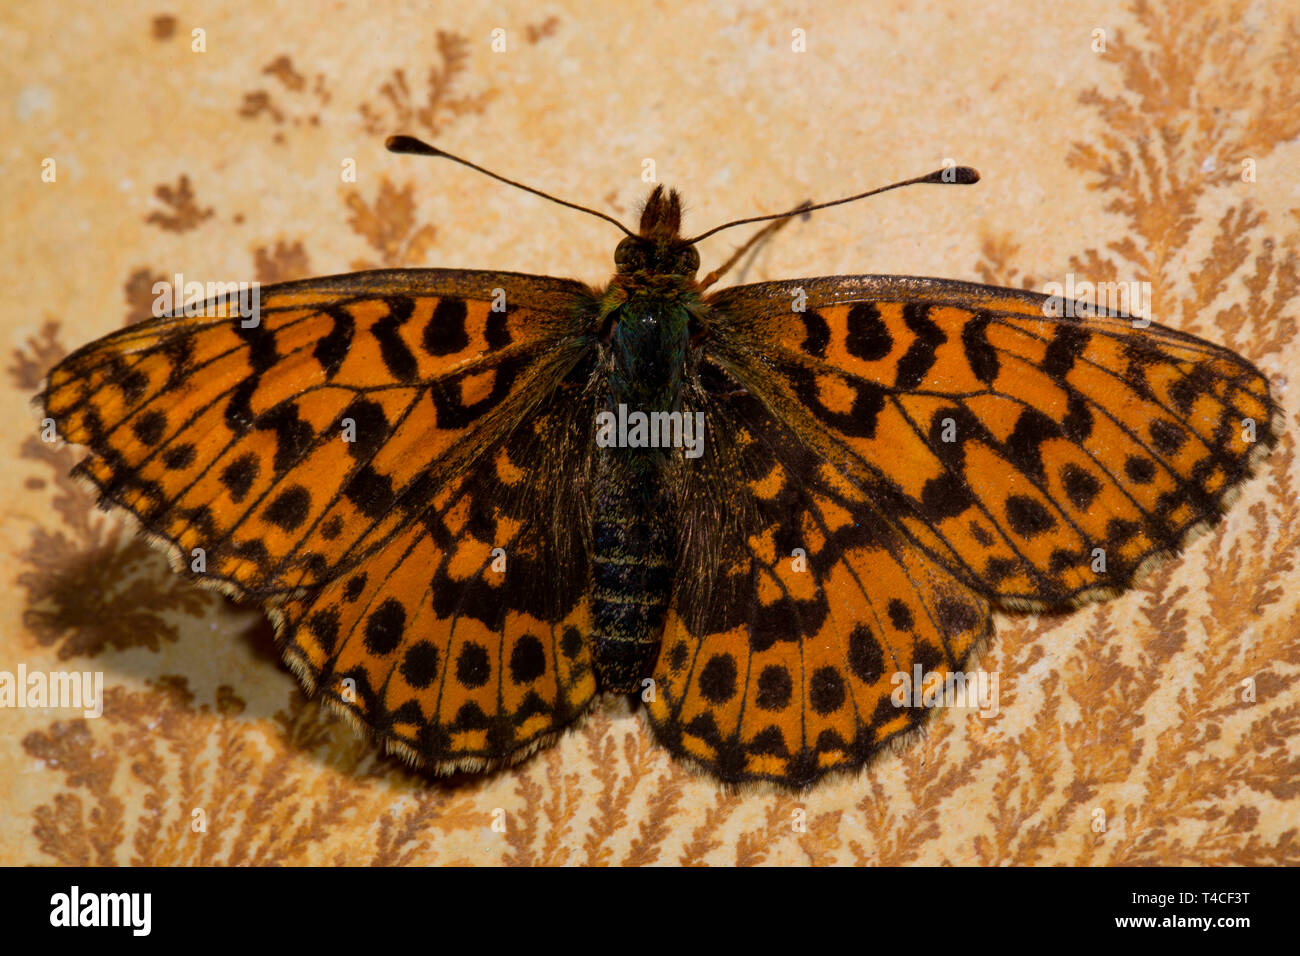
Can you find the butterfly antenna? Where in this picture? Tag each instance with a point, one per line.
(409, 144)
(961, 175)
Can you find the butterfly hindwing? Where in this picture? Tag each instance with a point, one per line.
(783, 667)
(462, 640)
(1041, 459)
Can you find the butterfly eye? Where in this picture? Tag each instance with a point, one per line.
(688, 263)
(629, 255)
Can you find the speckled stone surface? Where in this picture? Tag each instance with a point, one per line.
(1157, 728)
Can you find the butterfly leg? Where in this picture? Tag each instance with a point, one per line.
(762, 235)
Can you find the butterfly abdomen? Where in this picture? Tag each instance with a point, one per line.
(633, 532)
(632, 571)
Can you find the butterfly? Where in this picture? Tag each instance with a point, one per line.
(474, 502)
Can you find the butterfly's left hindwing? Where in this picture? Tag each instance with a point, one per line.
(779, 658)
(462, 640)
(370, 460)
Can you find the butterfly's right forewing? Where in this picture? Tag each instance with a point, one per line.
(282, 449)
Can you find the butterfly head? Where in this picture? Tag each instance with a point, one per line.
(658, 246)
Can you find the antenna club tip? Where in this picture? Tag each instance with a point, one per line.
(409, 144)
(961, 175)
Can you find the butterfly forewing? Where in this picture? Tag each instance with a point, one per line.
(1040, 459)
(279, 448)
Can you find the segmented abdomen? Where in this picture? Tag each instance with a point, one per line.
(632, 567)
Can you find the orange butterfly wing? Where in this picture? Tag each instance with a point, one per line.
(1012, 445)
(931, 448)
(353, 452)
(779, 655)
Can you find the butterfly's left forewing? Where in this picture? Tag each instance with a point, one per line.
(369, 459)
(1043, 459)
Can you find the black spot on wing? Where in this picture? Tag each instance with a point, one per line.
(356, 584)
(180, 353)
(1080, 487)
(239, 413)
(571, 643)
(920, 356)
(1067, 345)
(900, 615)
(1199, 381)
(826, 690)
(371, 427)
(1167, 436)
(324, 624)
(290, 508)
(817, 334)
(980, 355)
(496, 331)
(1023, 446)
(1027, 516)
(132, 382)
(866, 335)
(1139, 470)
(239, 475)
(527, 660)
(445, 333)
(717, 681)
(775, 688)
(293, 435)
(866, 658)
(150, 427)
(1077, 424)
(473, 666)
(331, 350)
(956, 616)
(371, 492)
(179, 456)
(396, 356)
(945, 496)
(262, 353)
(384, 628)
